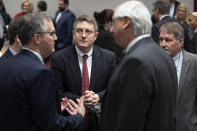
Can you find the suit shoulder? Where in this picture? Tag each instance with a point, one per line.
(104, 51)
(63, 52)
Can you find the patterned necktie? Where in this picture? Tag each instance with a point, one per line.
(85, 83)
(85, 76)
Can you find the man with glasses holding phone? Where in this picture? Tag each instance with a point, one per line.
(171, 40)
(84, 69)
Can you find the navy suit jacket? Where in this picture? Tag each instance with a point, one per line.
(28, 97)
(6, 55)
(64, 28)
(141, 94)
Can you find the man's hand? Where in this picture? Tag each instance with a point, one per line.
(91, 98)
(81, 107)
(72, 108)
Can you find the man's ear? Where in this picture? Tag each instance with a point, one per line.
(126, 22)
(181, 42)
(36, 38)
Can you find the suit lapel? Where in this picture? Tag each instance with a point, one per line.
(96, 61)
(184, 71)
(74, 66)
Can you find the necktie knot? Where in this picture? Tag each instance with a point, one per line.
(85, 57)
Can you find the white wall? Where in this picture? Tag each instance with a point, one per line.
(80, 7)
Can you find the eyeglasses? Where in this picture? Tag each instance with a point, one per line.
(50, 33)
(80, 31)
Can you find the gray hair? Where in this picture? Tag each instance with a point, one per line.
(88, 19)
(173, 28)
(163, 6)
(139, 15)
(33, 23)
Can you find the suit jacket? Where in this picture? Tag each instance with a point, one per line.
(6, 55)
(64, 28)
(28, 97)
(175, 8)
(186, 116)
(157, 26)
(65, 65)
(194, 43)
(141, 94)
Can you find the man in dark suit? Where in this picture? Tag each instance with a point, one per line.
(64, 20)
(171, 40)
(141, 94)
(192, 22)
(28, 88)
(68, 66)
(160, 11)
(14, 42)
(173, 6)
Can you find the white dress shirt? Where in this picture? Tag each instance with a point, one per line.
(178, 58)
(89, 60)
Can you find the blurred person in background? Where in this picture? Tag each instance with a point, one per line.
(26, 7)
(182, 12)
(64, 20)
(14, 42)
(42, 6)
(105, 39)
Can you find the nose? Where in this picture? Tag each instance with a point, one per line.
(55, 37)
(83, 34)
(162, 44)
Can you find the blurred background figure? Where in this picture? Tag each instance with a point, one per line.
(181, 15)
(5, 21)
(42, 6)
(14, 42)
(64, 20)
(26, 7)
(173, 7)
(105, 39)
(192, 22)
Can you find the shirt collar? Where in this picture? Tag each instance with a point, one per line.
(80, 53)
(163, 16)
(12, 51)
(35, 53)
(135, 41)
(177, 56)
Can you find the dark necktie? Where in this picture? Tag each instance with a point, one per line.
(85, 83)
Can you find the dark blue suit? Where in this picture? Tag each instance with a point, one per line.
(64, 28)
(28, 97)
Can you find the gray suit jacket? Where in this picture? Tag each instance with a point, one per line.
(186, 116)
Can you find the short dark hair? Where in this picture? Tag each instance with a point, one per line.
(163, 6)
(42, 5)
(33, 23)
(104, 16)
(66, 1)
(14, 28)
(88, 19)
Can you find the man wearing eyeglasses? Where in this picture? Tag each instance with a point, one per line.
(71, 63)
(28, 89)
(171, 40)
